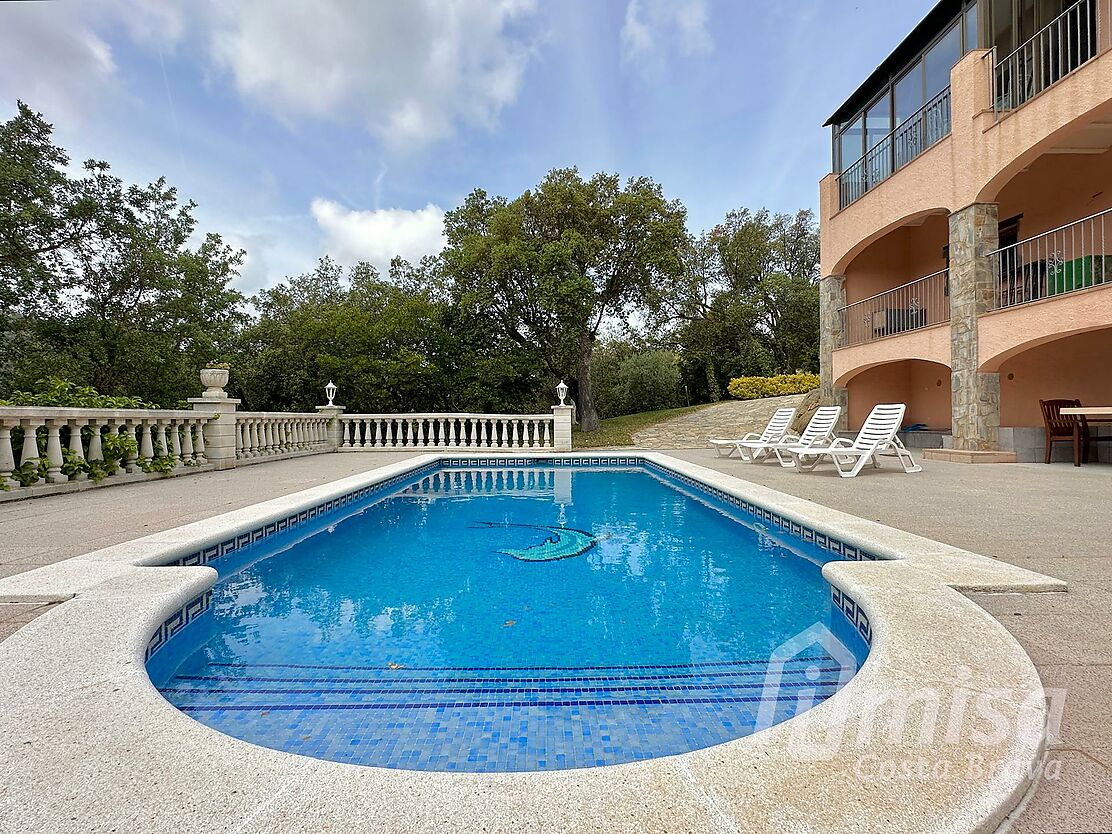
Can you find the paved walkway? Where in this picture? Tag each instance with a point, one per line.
(729, 419)
(1053, 519)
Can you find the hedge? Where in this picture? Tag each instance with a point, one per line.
(758, 387)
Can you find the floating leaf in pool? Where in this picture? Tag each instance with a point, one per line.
(564, 543)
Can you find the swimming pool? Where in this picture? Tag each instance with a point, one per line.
(513, 618)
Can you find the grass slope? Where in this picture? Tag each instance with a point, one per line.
(618, 431)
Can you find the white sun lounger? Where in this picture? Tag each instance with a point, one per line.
(819, 432)
(775, 431)
(877, 437)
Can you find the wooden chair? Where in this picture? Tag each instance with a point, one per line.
(1065, 428)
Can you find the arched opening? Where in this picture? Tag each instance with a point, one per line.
(1058, 188)
(905, 253)
(923, 385)
(1073, 367)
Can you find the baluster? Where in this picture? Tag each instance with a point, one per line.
(96, 445)
(130, 429)
(175, 443)
(546, 443)
(250, 438)
(346, 432)
(30, 443)
(7, 456)
(146, 440)
(187, 441)
(241, 439)
(199, 442)
(54, 473)
(160, 447)
(486, 433)
(75, 447)
(517, 433)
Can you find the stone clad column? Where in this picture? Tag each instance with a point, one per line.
(832, 298)
(974, 232)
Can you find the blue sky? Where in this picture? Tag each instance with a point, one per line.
(350, 126)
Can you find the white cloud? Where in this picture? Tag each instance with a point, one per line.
(411, 72)
(653, 29)
(377, 236)
(51, 59)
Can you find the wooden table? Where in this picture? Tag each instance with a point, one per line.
(1092, 414)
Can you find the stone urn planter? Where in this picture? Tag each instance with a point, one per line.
(214, 380)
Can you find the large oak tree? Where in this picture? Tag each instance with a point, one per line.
(550, 268)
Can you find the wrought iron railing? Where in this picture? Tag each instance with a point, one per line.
(920, 303)
(914, 135)
(1066, 43)
(1071, 257)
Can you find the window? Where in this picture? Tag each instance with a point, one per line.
(939, 60)
(878, 122)
(909, 94)
(850, 147)
(971, 41)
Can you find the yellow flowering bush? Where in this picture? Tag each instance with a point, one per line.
(758, 387)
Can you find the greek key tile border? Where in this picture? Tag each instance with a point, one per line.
(176, 622)
(853, 612)
(209, 554)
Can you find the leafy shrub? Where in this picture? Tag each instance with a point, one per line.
(758, 387)
(606, 383)
(650, 381)
(58, 393)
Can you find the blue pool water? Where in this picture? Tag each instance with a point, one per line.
(512, 619)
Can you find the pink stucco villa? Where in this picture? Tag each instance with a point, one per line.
(967, 224)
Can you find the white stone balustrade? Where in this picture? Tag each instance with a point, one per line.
(58, 447)
(269, 434)
(43, 433)
(368, 432)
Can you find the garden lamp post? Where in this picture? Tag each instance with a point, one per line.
(562, 392)
(330, 392)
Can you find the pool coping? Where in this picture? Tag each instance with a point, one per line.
(81, 714)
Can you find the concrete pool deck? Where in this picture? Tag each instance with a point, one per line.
(992, 510)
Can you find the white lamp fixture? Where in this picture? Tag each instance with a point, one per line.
(330, 391)
(562, 392)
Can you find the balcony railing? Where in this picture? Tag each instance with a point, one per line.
(921, 303)
(914, 135)
(1071, 257)
(1066, 43)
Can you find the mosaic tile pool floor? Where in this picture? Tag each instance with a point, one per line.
(547, 620)
(485, 719)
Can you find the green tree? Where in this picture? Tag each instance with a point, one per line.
(747, 302)
(550, 268)
(100, 282)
